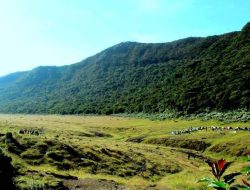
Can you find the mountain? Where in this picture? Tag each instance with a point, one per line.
(188, 75)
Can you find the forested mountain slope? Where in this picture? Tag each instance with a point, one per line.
(188, 75)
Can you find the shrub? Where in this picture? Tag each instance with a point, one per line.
(218, 168)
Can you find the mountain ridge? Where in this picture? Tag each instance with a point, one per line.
(183, 75)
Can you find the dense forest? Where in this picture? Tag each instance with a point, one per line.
(189, 75)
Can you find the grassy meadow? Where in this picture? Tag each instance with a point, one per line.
(134, 153)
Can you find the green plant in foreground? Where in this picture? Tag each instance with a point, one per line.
(218, 169)
(245, 180)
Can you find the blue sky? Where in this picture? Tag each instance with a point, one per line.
(60, 32)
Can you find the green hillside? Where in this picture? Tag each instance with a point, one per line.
(188, 75)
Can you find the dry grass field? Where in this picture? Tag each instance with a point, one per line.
(126, 152)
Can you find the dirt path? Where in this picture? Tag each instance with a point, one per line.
(103, 184)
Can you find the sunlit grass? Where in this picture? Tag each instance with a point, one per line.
(71, 130)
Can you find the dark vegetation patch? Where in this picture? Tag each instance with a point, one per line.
(31, 131)
(65, 177)
(92, 134)
(83, 134)
(13, 145)
(137, 139)
(192, 144)
(193, 154)
(230, 148)
(100, 134)
(7, 172)
(95, 160)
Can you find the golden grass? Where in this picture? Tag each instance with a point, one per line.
(67, 129)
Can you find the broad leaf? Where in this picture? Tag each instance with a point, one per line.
(218, 185)
(221, 163)
(230, 178)
(246, 170)
(242, 187)
(226, 165)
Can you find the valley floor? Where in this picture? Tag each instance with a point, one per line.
(106, 152)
